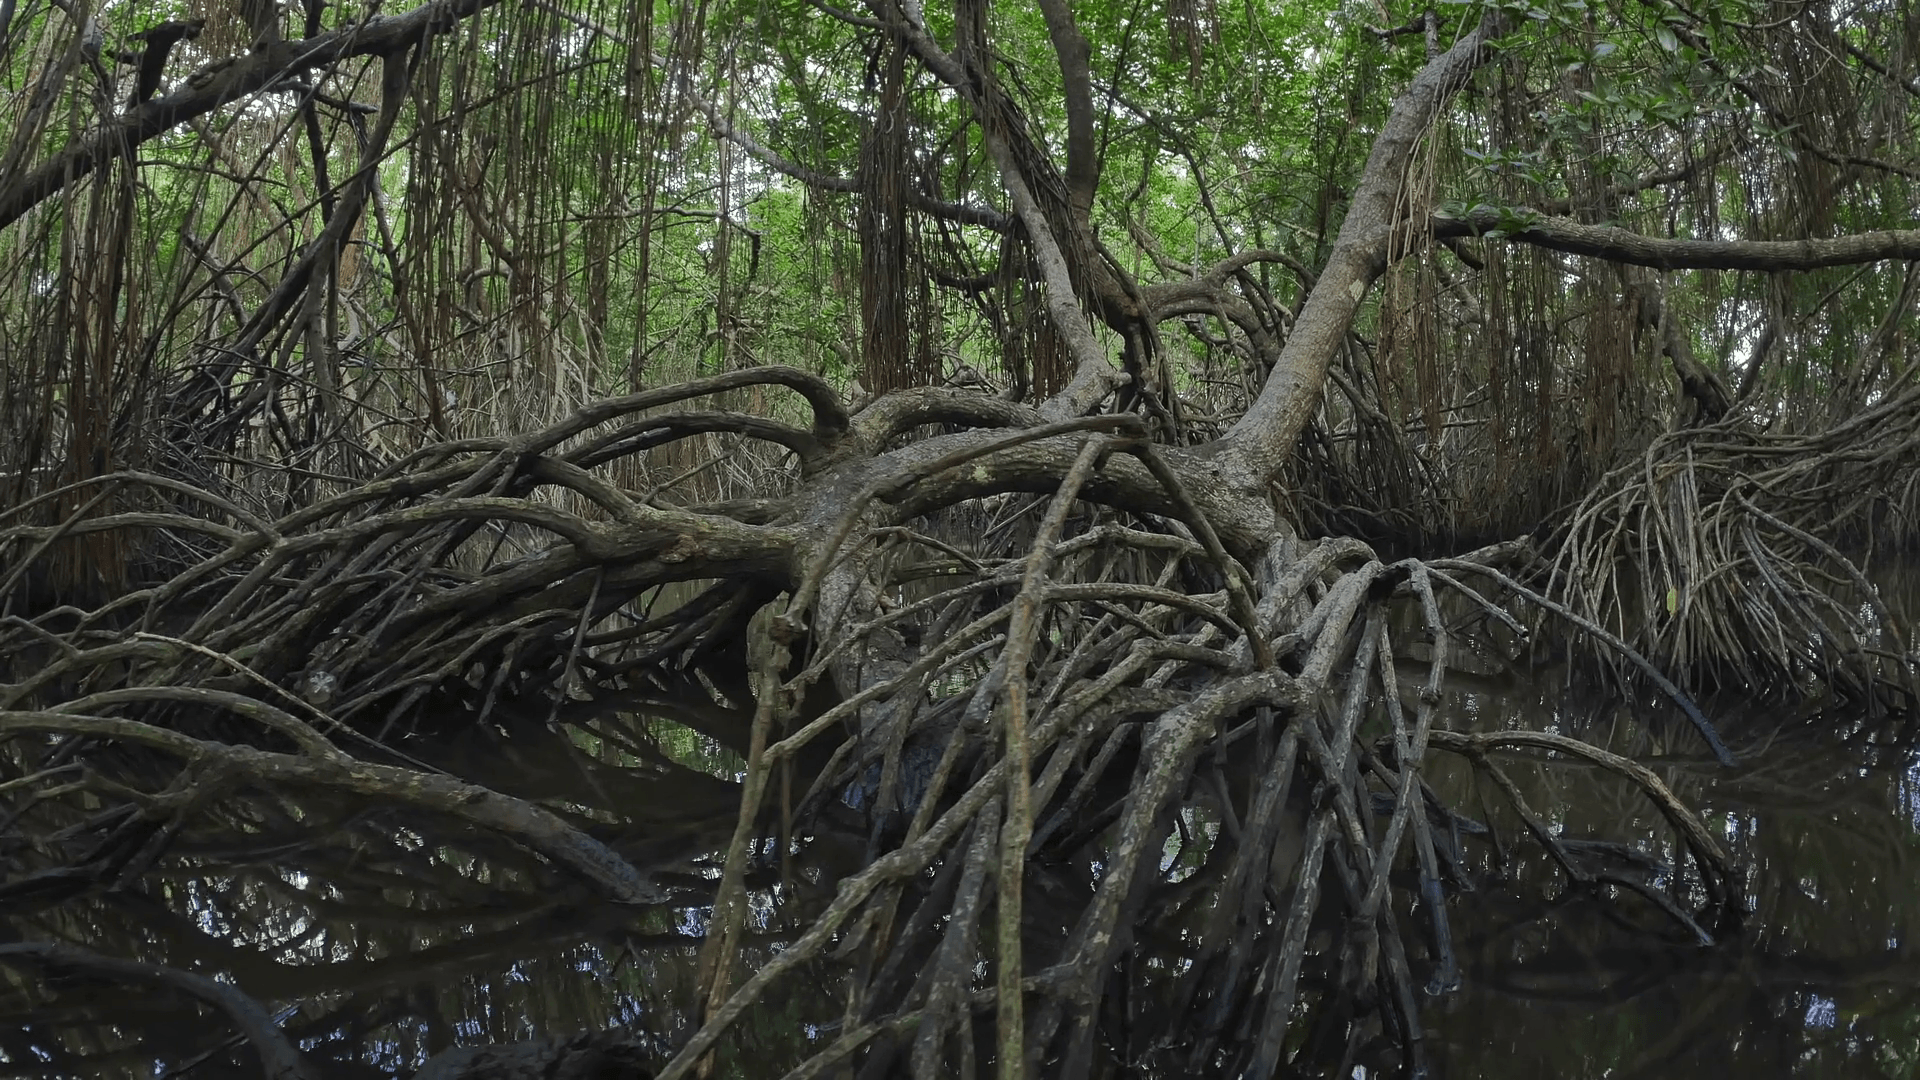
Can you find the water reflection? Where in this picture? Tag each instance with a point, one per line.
(1821, 980)
(388, 940)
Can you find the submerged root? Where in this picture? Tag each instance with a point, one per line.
(1093, 737)
(1163, 779)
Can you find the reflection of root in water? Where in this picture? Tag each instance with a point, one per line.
(1051, 747)
(1201, 832)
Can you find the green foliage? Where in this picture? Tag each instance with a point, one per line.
(577, 199)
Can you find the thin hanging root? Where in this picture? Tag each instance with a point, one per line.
(1669, 551)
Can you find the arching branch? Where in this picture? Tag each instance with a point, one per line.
(1254, 449)
(1665, 253)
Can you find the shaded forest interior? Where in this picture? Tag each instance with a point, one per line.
(966, 527)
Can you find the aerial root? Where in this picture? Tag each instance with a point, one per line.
(1056, 747)
(1143, 694)
(1704, 555)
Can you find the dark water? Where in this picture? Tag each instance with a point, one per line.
(1823, 816)
(393, 939)
(1822, 981)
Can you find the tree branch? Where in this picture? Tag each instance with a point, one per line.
(1255, 448)
(224, 82)
(984, 216)
(1076, 82)
(1624, 246)
(1646, 183)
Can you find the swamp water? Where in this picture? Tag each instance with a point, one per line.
(389, 941)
